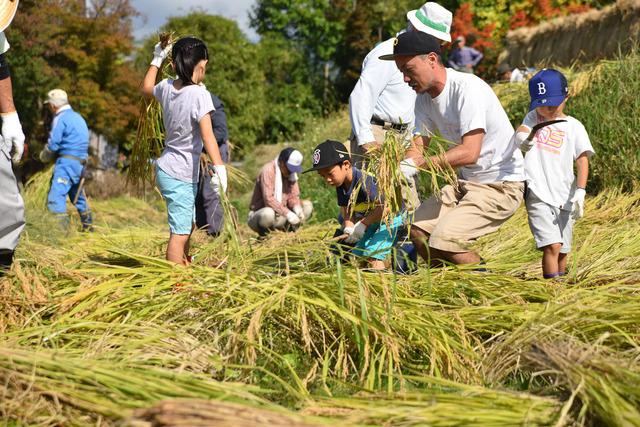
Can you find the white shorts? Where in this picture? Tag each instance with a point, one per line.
(549, 224)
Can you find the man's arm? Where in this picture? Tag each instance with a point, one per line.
(467, 153)
(476, 56)
(56, 135)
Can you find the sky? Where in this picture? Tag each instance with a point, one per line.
(155, 13)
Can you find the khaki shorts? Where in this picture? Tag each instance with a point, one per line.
(409, 191)
(460, 217)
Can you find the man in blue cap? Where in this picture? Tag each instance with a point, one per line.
(69, 145)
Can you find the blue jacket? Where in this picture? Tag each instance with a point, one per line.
(69, 134)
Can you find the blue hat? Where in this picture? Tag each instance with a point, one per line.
(548, 88)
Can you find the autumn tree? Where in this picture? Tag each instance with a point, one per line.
(81, 48)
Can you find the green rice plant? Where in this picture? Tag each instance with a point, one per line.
(383, 163)
(37, 189)
(441, 403)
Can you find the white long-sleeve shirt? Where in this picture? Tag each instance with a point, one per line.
(380, 92)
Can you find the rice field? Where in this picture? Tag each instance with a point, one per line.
(98, 329)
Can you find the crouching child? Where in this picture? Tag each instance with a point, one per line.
(360, 213)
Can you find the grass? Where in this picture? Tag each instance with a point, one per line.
(98, 329)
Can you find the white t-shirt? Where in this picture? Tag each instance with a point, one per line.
(549, 163)
(182, 111)
(380, 92)
(4, 44)
(467, 103)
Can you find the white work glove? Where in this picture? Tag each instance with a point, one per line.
(12, 133)
(355, 233)
(219, 179)
(523, 141)
(578, 203)
(292, 218)
(297, 209)
(160, 54)
(408, 168)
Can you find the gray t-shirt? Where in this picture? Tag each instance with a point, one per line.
(182, 111)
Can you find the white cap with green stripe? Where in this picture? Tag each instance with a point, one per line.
(432, 19)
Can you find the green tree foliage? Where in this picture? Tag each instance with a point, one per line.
(79, 48)
(233, 72)
(289, 89)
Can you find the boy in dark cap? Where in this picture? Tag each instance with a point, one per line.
(360, 204)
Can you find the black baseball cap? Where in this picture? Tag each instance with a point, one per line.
(411, 43)
(327, 154)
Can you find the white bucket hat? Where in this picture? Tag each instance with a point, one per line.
(57, 98)
(7, 12)
(432, 19)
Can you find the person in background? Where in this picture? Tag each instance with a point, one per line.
(360, 213)
(276, 204)
(464, 58)
(68, 144)
(555, 197)
(186, 107)
(209, 209)
(382, 101)
(12, 145)
(506, 74)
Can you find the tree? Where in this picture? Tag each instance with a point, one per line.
(81, 49)
(289, 89)
(233, 72)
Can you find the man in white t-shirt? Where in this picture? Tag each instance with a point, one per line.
(380, 100)
(464, 110)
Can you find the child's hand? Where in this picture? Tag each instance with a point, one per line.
(219, 179)
(355, 233)
(578, 203)
(160, 54)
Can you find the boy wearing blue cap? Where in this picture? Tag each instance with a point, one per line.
(553, 141)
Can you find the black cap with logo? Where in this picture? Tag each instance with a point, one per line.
(413, 43)
(327, 154)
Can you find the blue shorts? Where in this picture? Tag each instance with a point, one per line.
(180, 197)
(378, 239)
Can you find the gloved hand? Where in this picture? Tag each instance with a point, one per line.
(47, 155)
(12, 132)
(408, 168)
(578, 203)
(219, 179)
(292, 218)
(523, 141)
(355, 233)
(160, 54)
(297, 209)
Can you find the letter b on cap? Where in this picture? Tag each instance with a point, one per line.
(542, 88)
